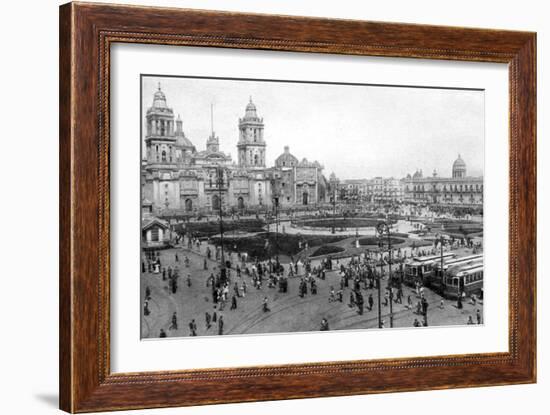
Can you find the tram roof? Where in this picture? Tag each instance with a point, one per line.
(468, 268)
(429, 258)
(460, 261)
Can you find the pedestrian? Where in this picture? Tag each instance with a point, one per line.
(189, 280)
(146, 310)
(324, 325)
(351, 300)
(331, 297)
(371, 302)
(416, 323)
(340, 295)
(470, 320)
(220, 326)
(425, 304)
(162, 333)
(233, 302)
(265, 305)
(478, 316)
(193, 328)
(313, 287)
(174, 325)
(214, 317)
(208, 318)
(442, 305)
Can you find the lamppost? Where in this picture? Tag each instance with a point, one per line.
(379, 286)
(219, 183)
(276, 211)
(333, 200)
(383, 228)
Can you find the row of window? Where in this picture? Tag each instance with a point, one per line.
(468, 279)
(452, 188)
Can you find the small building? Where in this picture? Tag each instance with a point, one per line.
(155, 233)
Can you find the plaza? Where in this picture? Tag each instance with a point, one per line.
(253, 247)
(288, 311)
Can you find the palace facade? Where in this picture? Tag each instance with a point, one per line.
(177, 178)
(458, 190)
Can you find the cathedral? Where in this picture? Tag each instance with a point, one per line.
(177, 178)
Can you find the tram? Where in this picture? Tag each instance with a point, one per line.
(466, 278)
(421, 268)
(436, 282)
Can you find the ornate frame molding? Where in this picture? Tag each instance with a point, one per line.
(86, 33)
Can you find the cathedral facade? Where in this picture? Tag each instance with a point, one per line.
(457, 190)
(177, 178)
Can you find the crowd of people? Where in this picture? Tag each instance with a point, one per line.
(354, 282)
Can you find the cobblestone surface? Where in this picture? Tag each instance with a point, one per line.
(288, 312)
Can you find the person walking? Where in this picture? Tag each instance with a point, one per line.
(371, 302)
(351, 300)
(331, 297)
(265, 305)
(174, 325)
(208, 318)
(193, 328)
(478, 316)
(220, 326)
(233, 302)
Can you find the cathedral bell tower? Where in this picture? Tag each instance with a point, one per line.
(251, 145)
(160, 137)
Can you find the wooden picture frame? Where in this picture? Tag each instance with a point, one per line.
(86, 33)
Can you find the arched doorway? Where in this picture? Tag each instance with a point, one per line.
(215, 202)
(240, 203)
(188, 205)
(305, 197)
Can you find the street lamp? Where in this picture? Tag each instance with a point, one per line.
(333, 200)
(383, 228)
(276, 208)
(219, 183)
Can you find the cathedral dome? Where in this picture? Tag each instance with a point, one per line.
(159, 99)
(250, 112)
(459, 168)
(286, 159)
(184, 142)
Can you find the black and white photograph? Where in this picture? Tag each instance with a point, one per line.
(291, 206)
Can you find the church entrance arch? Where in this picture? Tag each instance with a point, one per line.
(188, 205)
(305, 198)
(240, 203)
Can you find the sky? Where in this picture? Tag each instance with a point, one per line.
(355, 131)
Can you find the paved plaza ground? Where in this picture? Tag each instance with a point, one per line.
(288, 311)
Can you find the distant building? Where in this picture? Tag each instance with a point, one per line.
(378, 190)
(458, 190)
(178, 178)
